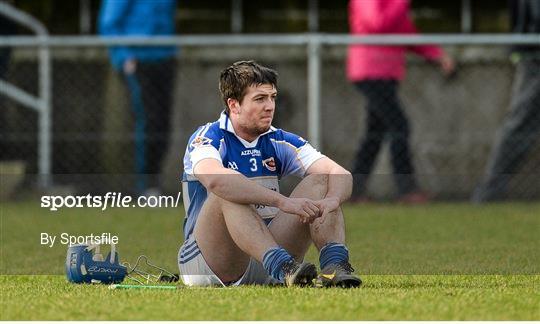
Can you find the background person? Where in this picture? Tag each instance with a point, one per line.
(521, 127)
(149, 74)
(377, 71)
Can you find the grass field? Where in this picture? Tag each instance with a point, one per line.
(440, 261)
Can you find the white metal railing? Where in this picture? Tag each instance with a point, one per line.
(42, 103)
(313, 43)
(271, 39)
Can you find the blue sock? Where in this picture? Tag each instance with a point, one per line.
(273, 261)
(333, 253)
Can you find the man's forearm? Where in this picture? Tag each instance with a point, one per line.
(239, 189)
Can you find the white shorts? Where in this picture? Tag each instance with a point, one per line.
(194, 271)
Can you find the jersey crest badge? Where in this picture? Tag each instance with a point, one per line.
(200, 141)
(270, 164)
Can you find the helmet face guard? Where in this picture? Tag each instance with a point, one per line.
(144, 272)
(83, 266)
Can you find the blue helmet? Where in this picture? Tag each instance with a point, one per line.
(83, 266)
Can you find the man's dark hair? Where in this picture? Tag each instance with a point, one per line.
(235, 79)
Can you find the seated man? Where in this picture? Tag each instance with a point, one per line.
(239, 229)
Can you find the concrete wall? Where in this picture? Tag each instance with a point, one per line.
(453, 121)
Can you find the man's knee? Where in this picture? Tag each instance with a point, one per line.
(319, 180)
(314, 186)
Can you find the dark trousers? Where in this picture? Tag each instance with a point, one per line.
(518, 134)
(151, 96)
(385, 120)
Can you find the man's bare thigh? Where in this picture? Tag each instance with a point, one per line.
(220, 252)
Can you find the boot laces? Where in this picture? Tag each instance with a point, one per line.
(290, 267)
(345, 266)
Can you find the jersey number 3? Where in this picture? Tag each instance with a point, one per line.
(253, 162)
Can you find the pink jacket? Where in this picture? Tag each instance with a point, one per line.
(382, 62)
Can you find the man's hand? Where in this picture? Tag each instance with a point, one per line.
(303, 207)
(327, 205)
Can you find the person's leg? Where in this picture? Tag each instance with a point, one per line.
(295, 236)
(228, 234)
(398, 128)
(133, 84)
(327, 233)
(157, 81)
(517, 135)
(370, 144)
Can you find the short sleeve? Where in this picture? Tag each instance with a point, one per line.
(202, 153)
(295, 154)
(203, 144)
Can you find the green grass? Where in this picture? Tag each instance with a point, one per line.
(381, 298)
(439, 262)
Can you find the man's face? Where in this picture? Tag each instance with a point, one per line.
(254, 115)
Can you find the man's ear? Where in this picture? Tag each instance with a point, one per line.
(234, 105)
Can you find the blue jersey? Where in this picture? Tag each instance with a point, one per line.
(271, 156)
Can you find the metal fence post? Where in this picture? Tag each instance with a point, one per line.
(237, 16)
(313, 16)
(45, 124)
(314, 91)
(466, 16)
(43, 103)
